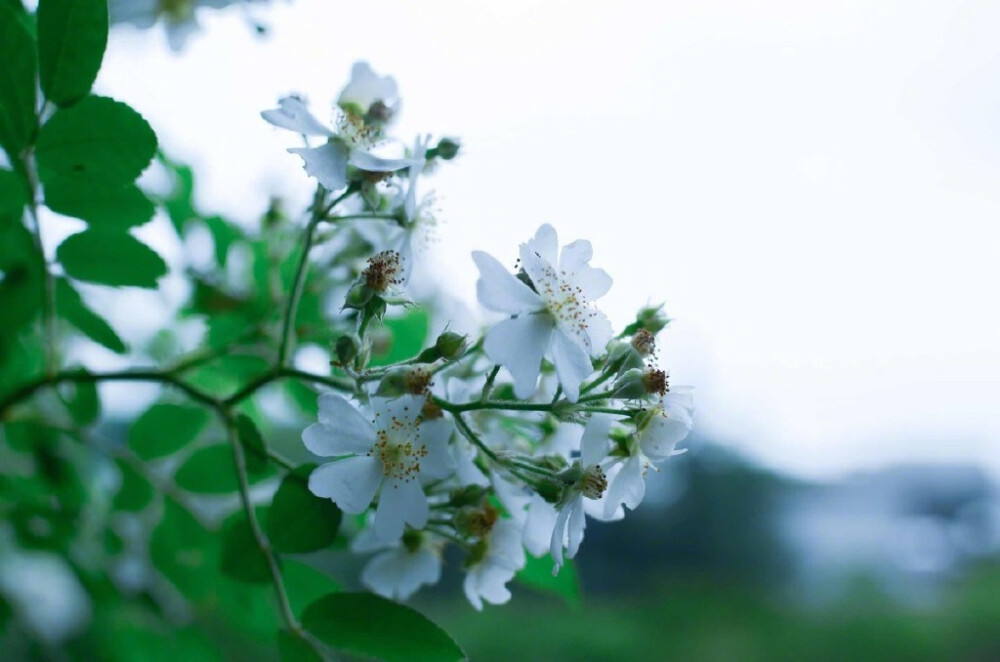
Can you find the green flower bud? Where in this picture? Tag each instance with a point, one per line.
(393, 385)
(346, 348)
(630, 385)
(476, 522)
(549, 491)
(451, 345)
(412, 539)
(447, 149)
(358, 296)
(470, 495)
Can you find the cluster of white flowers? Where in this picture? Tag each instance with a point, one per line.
(502, 445)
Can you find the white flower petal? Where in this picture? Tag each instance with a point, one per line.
(505, 548)
(500, 291)
(400, 502)
(292, 114)
(465, 467)
(626, 485)
(398, 573)
(558, 539)
(539, 525)
(572, 363)
(371, 163)
(575, 526)
(327, 163)
(341, 430)
(599, 332)
(351, 483)
(518, 345)
(594, 445)
(545, 244)
(489, 583)
(366, 87)
(438, 462)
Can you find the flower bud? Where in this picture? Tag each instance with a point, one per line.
(451, 345)
(392, 385)
(644, 342)
(347, 347)
(630, 386)
(549, 491)
(412, 539)
(358, 296)
(622, 356)
(469, 495)
(446, 149)
(652, 319)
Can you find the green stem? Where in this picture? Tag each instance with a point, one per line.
(494, 404)
(469, 434)
(490, 378)
(49, 291)
(263, 544)
(359, 217)
(597, 382)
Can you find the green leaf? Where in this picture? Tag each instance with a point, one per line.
(305, 584)
(242, 558)
(404, 339)
(135, 493)
(13, 192)
(104, 206)
(17, 83)
(110, 258)
(226, 374)
(298, 521)
(22, 289)
(293, 649)
(223, 234)
(72, 35)
(166, 428)
(82, 401)
(305, 397)
(254, 449)
(369, 625)
(70, 306)
(538, 575)
(99, 139)
(210, 470)
(184, 551)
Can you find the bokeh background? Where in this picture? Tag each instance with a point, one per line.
(810, 188)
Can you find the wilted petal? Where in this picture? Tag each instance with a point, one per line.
(518, 344)
(327, 163)
(500, 290)
(351, 483)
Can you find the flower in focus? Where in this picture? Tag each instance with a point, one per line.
(367, 105)
(493, 563)
(561, 526)
(402, 566)
(554, 317)
(387, 457)
(658, 432)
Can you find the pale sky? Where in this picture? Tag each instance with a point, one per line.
(811, 187)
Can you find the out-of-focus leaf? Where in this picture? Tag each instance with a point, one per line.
(538, 575)
(110, 258)
(305, 585)
(226, 374)
(369, 625)
(23, 435)
(166, 428)
(404, 337)
(82, 401)
(72, 35)
(210, 470)
(242, 558)
(254, 448)
(13, 192)
(304, 396)
(21, 285)
(135, 492)
(70, 306)
(298, 521)
(99, 139)
(17, 83)
(223, 234)
(293, 649)
(103, 206)
(184, 552)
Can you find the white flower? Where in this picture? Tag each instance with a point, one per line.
(369, 105)
(661, 428)
(401, 567)
(388, 456)
(559, 527)
(555, 319)
(178, 15)
(487, 578)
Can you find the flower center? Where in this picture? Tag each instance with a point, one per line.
(353, 128)
(566, 303)
(594, 482)
(644, 342)
(400, 457)
(656, 381)
(384, 270)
